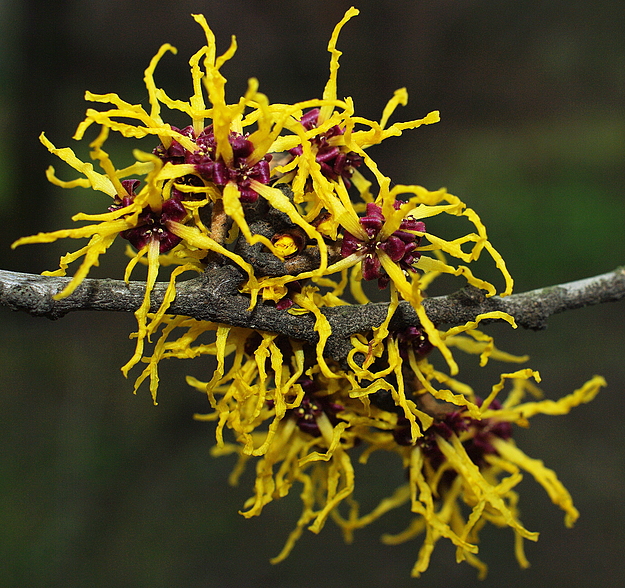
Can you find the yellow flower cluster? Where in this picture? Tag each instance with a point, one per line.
(303, 425)
(281, 192)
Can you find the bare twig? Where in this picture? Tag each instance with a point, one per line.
(214, 296)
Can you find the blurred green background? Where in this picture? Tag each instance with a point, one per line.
(100, 488)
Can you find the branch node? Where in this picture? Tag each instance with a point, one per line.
(469, 296)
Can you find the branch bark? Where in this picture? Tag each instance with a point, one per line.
(214, 296)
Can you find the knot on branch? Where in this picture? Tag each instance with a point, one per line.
(469, 296)
(29, 298)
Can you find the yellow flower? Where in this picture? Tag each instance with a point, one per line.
(282, 192)
(313, 424)
(461, 463)
(218, 167)
(302, 424)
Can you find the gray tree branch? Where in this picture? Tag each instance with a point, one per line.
(214, 296)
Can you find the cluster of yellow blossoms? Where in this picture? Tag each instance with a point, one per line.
(280, 192)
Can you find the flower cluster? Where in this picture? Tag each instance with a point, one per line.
(241, 169)
(458, 453)
(285, 194)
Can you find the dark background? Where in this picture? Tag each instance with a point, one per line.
(101, 488)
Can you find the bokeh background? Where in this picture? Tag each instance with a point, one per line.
(100, 488)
